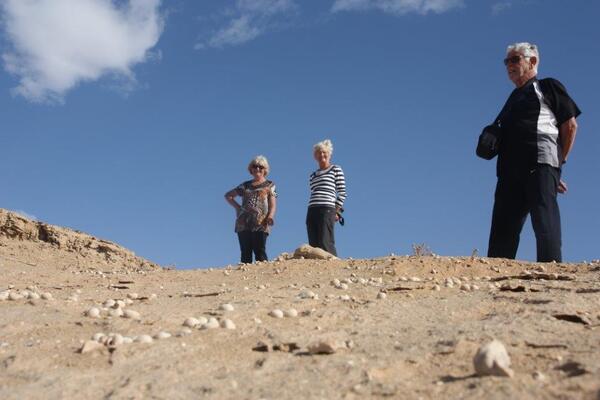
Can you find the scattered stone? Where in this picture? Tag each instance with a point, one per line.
(14, 296)
(116, 312)
(381, 295)
(98, 336)
(277, 313)
(143, 339)
(211, 323)
(492, 359)
(184, 332)
(538, 376)
(291, 313)
(4, 295)
(307, 294)
(437, 288)
(130, 314)
(191, 322)
(109, 303)
(415, 279)
(114, 340)
(305, 251)
(325, 347)
(132, 296)
(93, 312)
(227, 324)
(226, 307)
(89, 346)
(46, 296)
(162, 335)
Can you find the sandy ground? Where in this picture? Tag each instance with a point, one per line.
(415, 342)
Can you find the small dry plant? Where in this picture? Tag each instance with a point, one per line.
(421, 250)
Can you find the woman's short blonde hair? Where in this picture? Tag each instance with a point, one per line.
(259, 160)
(325, 146)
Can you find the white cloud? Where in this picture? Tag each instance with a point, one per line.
(397, 7)
(247, 20)
(501, 7)
(57, 44)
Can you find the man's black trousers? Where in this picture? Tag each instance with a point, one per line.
(533, 192)
(320, 222)
(253, 242)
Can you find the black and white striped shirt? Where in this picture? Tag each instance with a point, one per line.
(327, 187)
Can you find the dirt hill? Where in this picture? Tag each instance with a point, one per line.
(23, 241)
(81, 318)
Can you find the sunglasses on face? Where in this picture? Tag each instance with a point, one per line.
(513, 59)
(258, 167)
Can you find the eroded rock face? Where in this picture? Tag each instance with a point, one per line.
(306, 251)
(50, 238)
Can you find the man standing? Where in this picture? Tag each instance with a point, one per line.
(538, 131)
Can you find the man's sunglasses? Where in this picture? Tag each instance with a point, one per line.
(513, 59)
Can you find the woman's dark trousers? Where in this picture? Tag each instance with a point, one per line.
(533, 192)
(320, 222)
(253, 242)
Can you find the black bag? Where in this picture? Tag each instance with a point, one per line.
(489, 142)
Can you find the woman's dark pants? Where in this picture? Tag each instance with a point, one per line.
(320, 222)
(532, 193)
(253, 242)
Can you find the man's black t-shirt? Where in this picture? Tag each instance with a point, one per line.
(530, 120)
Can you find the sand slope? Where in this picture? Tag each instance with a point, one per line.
(417, 342)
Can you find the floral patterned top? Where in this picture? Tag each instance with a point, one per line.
(255, 206)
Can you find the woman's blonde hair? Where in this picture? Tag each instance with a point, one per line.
(262, 161)
(325, 146)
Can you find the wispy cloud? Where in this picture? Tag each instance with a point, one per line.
(397, 7)
(57, 44)
(247, 20)
(501, 7)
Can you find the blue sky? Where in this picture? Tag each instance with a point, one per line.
(129, 120)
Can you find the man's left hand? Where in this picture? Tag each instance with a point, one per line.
(562, 187)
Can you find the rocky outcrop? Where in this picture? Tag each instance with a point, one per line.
(16, 230)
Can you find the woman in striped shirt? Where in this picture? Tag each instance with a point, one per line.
(327, 195)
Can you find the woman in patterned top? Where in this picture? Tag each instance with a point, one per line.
(255, 215)
(327, 195)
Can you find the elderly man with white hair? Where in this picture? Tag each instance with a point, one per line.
(327, 195)
(538, 127)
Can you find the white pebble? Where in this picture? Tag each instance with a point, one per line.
(345, 297)
(14, 296)
(115, 340)
(381, 295)
(143, 339)
(34, 296)
(276, 313)
(191, 322)
(116, 312)
(46, 296)
(4, 295)
(93, 312)
(119, 304)
(184, 332)
(492, 359)
(291, 313)
(162, 335)
(227, 324)
(226, 307)
(437, 288)
(127, 340)
(415, 279)
(131, 314)
(132, 296)
(109, 303)
(128, 302)
(98, 336)
(466, 287)
(212, 323)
